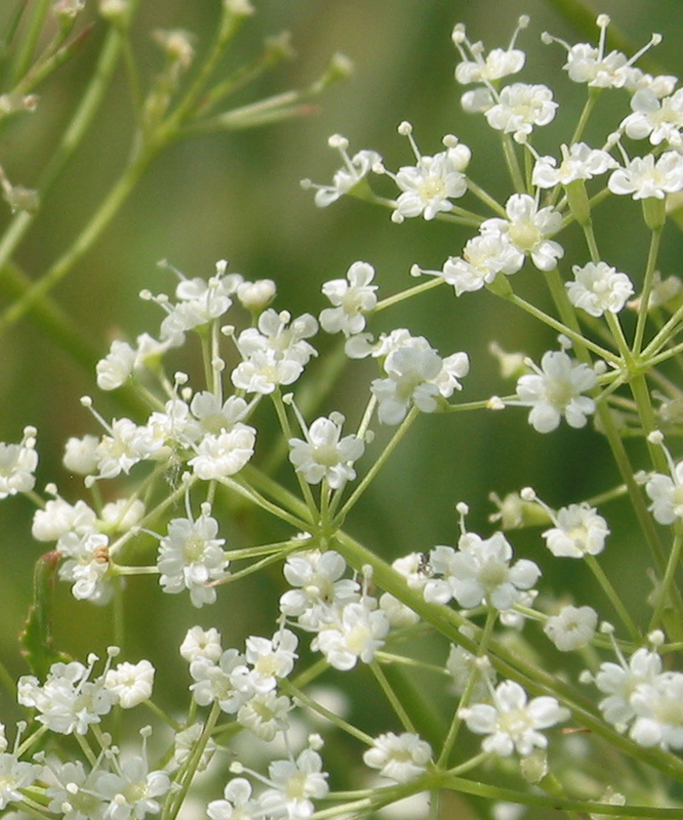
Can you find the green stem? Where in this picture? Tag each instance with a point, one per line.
(647, 290)
(390, 695)
(667, 584)
(613, 596)
(408, 294)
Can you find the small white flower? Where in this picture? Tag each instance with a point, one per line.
(579, 161)
(599, 288)
(659, 713)
(498, 63)
(352, 298)
(572, 628)
(130, 683)
(645, 177)
(270, 660)
(133, 789)
(357, 634)
(265, 714)
(527, 228)
(521, 107)
(666, 494)
(295, 785)
(578, 531)
(324, 454)
(222, 455)
(483, 258)
(555, 390)
(479, 572)
(658, 120)
(14, 776)
(256, 296)
(18, 462)
(428, 186)
(398, 757)
(80, 455)
(511, 723)
(238, 803)
(461, 665)
(355, 169)
(86, 565)
(219, 682)
(59, 517)
(190, 557)
(199, 644)
(620, 680)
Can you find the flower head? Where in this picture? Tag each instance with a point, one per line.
(398, 757)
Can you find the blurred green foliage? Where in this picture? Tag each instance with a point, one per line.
(237, 196)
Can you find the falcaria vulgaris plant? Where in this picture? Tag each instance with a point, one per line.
(527, 730)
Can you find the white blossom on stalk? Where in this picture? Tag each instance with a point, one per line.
(320, 588)
(572, 628)
(599, 288)
(270, 659)
(215, 417)
(132, 789)
(462, 665)
(579, 161)
(355, 169)
(191, 556)
(199, 302)
(512, 723)
(351, 298)
(645, 177)
(527, 228)
(479, 572)
(324, 454)
(130, 683)
(655, 119)
(399, 757)
(483, 258)
(666, 494)
(118, 452)
(256, 296)
(80, 454)
(265, 714)
(87, 565)
(15, 775)
(68, 702)
(578, 531)
(222, 455)
(357, 633)
(520, 107)
(201, 644)
(218, 682)
(18, 462)
(295, 784)
(659, 716)
(417, 376)
(70, 785)
(59, 517)
(498, 63)
(554, 390)
(237, 803)
(619, 681)
(428, 186)
(123, 359)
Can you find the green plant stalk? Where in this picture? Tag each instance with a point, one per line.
(668, 581)
(613, 597)
(390, 695)
(26, 49)
(647, 290)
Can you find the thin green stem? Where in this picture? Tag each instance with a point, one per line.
(647, 290)
(667, 584)
(614, 598)
(512, 163)
(390, 695)
(408, 294)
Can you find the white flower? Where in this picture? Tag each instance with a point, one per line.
(68, 701)
(222, 455)
(185, 743)
(511, 723)
(18, 462)
(572, 628)
(59, 517)
(644, 177)
(528, 230)
(130, 683)
(428, 186)
(587, 64)
(599, 288)
(295, 785)
(659, 120)
(14, 776)
(199, 643)
(321, 588)
(270, 660)
(578, 531)
(86, 565)
(659, 712)
(416, 376)
(555, 391)
(619, 681)
(398, 757)
(216, 417)
(355, 169)
(133, 789)
(265, 714)
(483, 258)
(497, 64)
(256, 296)
(461, 665)
(479, 572)
(190, 557)
(579, 161)
(237, 805)
(520, 107)
(324, 455)
(70, 785)
(218, 682)
(80, 454)
(352, 298)
(118, 452)
(666, 493)
(357, 634)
